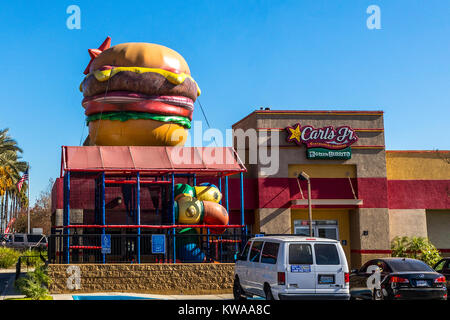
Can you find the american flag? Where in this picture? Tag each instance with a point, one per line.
(24, 177)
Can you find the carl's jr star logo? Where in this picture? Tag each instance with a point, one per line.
(294, 133)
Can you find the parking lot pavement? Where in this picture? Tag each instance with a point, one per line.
(7, 289)
(97, 296)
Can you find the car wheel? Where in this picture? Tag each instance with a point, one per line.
(268, 292)
(238, 292)
(378, 295)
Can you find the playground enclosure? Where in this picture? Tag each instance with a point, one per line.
(126, 195)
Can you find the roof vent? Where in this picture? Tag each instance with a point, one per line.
(266, 108)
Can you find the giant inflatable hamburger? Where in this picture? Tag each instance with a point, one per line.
(139, 94)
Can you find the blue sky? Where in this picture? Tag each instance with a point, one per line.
(244, 54)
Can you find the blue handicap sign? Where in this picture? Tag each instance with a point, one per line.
(106, 243)
(158, 243)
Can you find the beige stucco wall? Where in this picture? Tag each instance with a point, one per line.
(186, 278)
(369, 163)
(275, 220)
(376, 221)
(407, 222)
(438, 225)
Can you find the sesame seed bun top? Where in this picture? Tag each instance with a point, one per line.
(141, 54)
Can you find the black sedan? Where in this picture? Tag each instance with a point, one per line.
(443, 267)
(398, 278)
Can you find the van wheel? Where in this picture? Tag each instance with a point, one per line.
(268, 292)
(238, 292)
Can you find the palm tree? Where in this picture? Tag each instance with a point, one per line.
(7, 143)
(11, 168)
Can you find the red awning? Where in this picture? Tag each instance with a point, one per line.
(207, 160)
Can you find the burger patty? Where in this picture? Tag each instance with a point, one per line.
(125, 97)
(148, 83)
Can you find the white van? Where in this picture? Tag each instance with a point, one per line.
(23, 240)
(292, 267)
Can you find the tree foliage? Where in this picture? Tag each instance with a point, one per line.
(40, 213)
(8, 257)
(417, 248)
(11, 170)
(34, 285)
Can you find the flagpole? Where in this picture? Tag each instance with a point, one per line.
(28, 198)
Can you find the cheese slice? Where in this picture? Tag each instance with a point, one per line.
(175, 78)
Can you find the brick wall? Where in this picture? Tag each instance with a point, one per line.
(144, 278)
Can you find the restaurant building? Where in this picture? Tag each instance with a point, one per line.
(361, 194)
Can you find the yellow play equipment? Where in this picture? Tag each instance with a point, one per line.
(199, 204)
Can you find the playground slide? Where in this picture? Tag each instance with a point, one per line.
(197, 205)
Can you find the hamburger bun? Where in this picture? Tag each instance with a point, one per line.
(141, 54)
(136, 133)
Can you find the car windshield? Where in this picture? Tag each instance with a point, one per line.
(406, 265)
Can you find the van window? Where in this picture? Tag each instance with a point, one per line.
(244, 254)
(18, 238)
(270, 253)
(300, 254)
(255, 252)
(34, 237)
(326, 254)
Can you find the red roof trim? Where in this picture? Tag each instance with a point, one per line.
(151, 159)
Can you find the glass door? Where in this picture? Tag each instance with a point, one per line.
(329, 232)
(321, 228)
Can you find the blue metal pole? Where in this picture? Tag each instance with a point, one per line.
(207, 229)
(195, 179)
(103, 203)
(157, 208)
(207, 242)
(138, 200)
(242, 203)
(67, 214)
(172, 198)
(228, 210)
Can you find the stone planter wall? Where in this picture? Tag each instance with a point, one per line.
(195, 278)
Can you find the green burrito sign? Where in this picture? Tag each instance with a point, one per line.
(323, 143)
(324, 154)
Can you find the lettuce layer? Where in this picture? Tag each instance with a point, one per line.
(129, 115)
